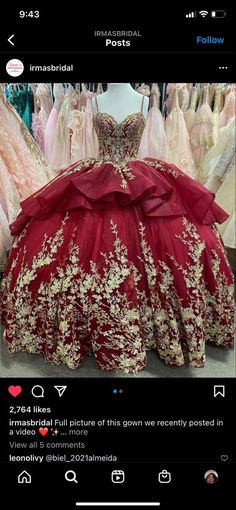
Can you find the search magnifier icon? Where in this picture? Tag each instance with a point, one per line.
(70, 476)
(37, 391)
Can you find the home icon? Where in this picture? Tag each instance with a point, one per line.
(24, 477)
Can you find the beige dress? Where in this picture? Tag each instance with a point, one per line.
(202, 133)
(221, 179)
(190, 113)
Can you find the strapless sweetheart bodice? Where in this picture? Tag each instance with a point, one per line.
(118, 140)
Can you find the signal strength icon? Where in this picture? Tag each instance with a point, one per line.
(191, 15)
(203, 13)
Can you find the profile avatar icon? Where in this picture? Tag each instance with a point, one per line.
(211, 477)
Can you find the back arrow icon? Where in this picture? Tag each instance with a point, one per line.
(10, 40)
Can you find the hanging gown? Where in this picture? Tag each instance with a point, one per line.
(22, 170)
(221, 162)
(39, 119)
(19, 153)
(9, 195)
(117, 256)
(60, 154)
(179, 149)
(191, 112)
(225, 196)
(4, 238)
(212, 159)
(229, 110)
(208, 160)
(183, 95)
(50, 129)
(202, 133)
(21, 97)
(154, 142)
(83, 137)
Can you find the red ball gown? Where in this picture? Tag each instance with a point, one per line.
(117, 256)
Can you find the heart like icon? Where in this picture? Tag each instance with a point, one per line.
(15, 390)
(43, 431)
(224, 457)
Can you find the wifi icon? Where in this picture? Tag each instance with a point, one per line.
(203, 13)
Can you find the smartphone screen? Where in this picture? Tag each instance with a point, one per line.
(117, 258)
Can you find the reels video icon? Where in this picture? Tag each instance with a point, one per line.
(118, 476)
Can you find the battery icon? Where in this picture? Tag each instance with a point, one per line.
(218, 14)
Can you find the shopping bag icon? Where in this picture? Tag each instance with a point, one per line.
(164, 476)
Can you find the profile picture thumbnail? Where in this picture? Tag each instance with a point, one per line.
(211, 476)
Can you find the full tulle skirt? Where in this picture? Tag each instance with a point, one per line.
(117, 259)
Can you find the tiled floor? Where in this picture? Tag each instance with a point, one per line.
(219, 363)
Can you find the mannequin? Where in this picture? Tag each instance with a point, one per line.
(120, 100)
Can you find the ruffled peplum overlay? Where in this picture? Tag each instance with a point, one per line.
(158, 188)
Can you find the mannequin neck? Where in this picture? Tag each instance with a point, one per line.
(120, 87)
(120, 100)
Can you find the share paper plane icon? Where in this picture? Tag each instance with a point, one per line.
(60, 390)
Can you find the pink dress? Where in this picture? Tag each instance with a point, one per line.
(189, 115)
(4, 237)
(75, 136)
(154, 142)
(9, 207)
(50, 129)
(144, 89)
(22, 170)
(229, 110)
(19, 152)
(179, 149)
(183, 95)
(76, 125)
(60, 156)
(9, 195)
(84, 142)
(39, 120)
